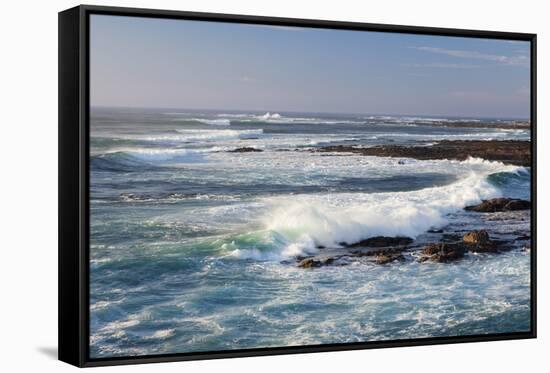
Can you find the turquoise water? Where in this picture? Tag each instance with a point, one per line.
(193, 247)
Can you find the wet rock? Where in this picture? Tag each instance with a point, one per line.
(491, 246)
(508, 151)
(314, 263)
(388, 258)
(500, 205)
(480, 242)
(435, 230)
(523, 237)
(450, 237)
(443, 252)
(517, 204)
(476, 237)
(381, 241)
(246, 149)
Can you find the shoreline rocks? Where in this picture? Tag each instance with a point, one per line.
(515, 152)
(443, 252)
(381, 241)
(314, 263)
(500, 205)
(388, 258)
(245, 149)
(476, 237)
(382, 250)
(477, 241)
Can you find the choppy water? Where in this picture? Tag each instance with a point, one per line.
(192, 245)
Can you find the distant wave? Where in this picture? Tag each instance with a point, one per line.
(269, 117)
(398, 119)
(191, 136)
(212, 122)
(217, 135)
(137, 159)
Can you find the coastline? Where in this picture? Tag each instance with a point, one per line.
(515, 152)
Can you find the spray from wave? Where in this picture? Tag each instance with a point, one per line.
(301, 223)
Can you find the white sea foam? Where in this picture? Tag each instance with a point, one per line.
(162, 334)
(163, 155)
(330, 219)
(195, 136)
(268, 116)
(192, 135)
(212, 122)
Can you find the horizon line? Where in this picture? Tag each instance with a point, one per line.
(432, 116)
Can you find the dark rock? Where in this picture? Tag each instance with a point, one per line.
(517, 204)
(450, 237)
(381, 241)
(435, 231)
(388, 258)
(500, 205)
(313, 263)
(245, 149)
(479, 242)
(476, 237)
(507, 151)
(443, 252)
(523, 238)
(490, 247)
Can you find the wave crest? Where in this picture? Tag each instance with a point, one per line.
(332, 219)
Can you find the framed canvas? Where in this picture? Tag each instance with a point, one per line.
(234, 186)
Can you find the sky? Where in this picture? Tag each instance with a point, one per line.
(163, 63)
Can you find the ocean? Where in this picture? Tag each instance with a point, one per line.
(193, 246)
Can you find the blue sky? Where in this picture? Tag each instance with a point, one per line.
(147, 62)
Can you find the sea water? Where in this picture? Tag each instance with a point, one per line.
(193, 246)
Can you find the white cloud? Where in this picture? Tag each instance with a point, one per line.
(443, 65)
(516, 60)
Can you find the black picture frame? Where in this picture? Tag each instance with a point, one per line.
(73, 254)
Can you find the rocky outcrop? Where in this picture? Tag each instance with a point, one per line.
(443, 252)
(388, 258)
(479, 242)
(476, 237)
(313, 262)
(246, 149)
(384, 250)
(381, 241)
(507, 151)
(500, 205)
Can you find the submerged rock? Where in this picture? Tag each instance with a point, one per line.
(500, 205)
(443, 252)
(381, 241)
(246, 149)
